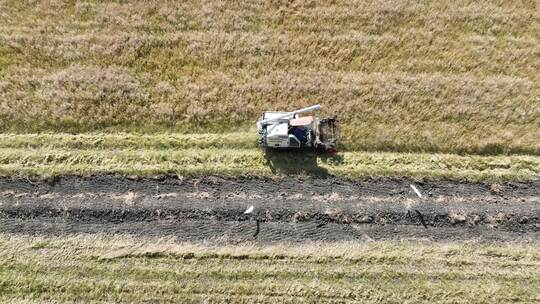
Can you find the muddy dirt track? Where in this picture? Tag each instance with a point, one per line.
(290, 209)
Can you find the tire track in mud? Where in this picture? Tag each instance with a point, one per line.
(286, 209)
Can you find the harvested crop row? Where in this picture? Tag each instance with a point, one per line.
(120, 268)
(57, 161)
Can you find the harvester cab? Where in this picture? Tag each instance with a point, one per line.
(288, 130)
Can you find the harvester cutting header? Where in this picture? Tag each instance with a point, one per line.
(287, 130)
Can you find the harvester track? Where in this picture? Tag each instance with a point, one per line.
(285, 209)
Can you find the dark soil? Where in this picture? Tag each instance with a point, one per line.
(288, 209)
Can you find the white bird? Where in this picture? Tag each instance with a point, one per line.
(249, 210)
(416, 190)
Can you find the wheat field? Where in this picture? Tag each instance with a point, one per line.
(416, 76)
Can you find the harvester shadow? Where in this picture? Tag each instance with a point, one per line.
(300, 162)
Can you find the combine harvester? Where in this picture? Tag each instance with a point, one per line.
(287, 130)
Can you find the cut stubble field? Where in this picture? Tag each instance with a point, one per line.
(114, 239)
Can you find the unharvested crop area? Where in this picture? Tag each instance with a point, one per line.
(234, 154)
(430, 76)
